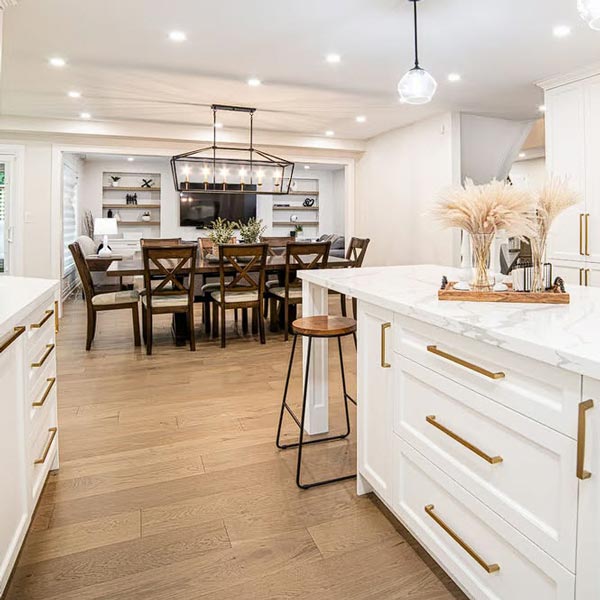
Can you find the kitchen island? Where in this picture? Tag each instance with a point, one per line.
(478, 426)
(28, 415)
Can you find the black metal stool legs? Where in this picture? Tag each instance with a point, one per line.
(301, 422)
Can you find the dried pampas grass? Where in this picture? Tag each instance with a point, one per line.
(487, 209)
(551, 200)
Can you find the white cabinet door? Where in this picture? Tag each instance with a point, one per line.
(573, 273)
(592, 161)
(374, 383)
(13, 481)
(588, 528)
(565, 140)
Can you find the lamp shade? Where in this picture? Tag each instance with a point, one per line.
(105, 226)
(590, 12)
(417, 87)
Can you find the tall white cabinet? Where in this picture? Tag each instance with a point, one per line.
(573, 150)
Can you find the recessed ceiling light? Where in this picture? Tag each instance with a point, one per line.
(56, 61)
(330, 133)
(333, 58)
(74, 94)
(307, 166)
(361, 119)
(522, 155)
(218, 125)
(254, 82)
(85, 115)
(177, 36)
(130, 158)
(561, 31)
(542, 108)
(454, 77)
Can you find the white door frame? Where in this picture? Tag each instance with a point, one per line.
(14, 155)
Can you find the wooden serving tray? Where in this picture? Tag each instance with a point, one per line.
(449, 293)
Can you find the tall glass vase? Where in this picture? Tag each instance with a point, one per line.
(538, 256)
(481, 244)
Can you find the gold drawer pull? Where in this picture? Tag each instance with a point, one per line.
(581, 276)
(587, 234)
(384, 363)
(17, 331)
(493, 460)
(587, 277)
(56, 319)
(51, 381)
(581, 234)
(489, 568)
(47, 315)
(49, 348)
(583, 408)
(464, 363)
(52, 431)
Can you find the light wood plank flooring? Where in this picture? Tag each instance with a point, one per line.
(171, 488)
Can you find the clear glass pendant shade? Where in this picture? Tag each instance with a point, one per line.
(590, 12)
(417, 87)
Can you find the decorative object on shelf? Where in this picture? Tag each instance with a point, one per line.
(87, 224)
(117, 216)
(221, 232)
(114, 180)
(308, 202)
(105, 227)
(590, 12)
(298, 229)
(454, 294)
(417, 86)
(251, 231)
(554, 198)
(481, 211)
(147, 183)
(146, 216)
(109, 214)
(131, 199)
(219, 168)
(293, 218)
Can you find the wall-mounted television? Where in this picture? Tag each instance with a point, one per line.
(199, 210)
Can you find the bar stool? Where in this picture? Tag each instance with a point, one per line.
(316, 327)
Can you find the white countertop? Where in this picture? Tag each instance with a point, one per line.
(567, 336)
(19, 294)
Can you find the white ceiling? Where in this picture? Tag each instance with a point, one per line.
(120, 58)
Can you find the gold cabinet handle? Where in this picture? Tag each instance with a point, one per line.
(583, 408)
(52, 431)
(464, 363)
(587, 277)
(581, 234)
(51, 381)
(47, 315)
(56, 319)
(384, 363)
(17, 332)
(581, 276)
(429, 509)
(493, 460)
(49, 348)
(587, 234)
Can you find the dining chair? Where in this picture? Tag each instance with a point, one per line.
(355, 253)
(276, 244)
(241, 285)
(298, 256)
(160, 242)
(96, 302)
(174, 293)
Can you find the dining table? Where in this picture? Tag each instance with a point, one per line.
(207, 267)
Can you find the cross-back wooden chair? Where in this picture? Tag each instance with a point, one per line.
(174, 293)
(104, 301)
(241, 285)
(298, 256)
(276, 244)
(356, 253)
(160, 242)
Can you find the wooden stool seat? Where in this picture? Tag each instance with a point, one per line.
(324, 326)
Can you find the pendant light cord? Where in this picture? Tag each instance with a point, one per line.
(416, 34)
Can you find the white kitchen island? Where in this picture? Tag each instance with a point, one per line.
(478, 426)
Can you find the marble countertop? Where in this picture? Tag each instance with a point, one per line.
(19, 294)
(567, 336)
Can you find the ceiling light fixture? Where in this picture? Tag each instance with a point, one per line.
(542, 108)
(590, 12)
(254, 82)
(130, 159)
(330, 133)
(85, 115)
(454, 77)
(361, 119)
(333, 59)
(74, 94)
(218, 125)
(177, 36)
(56, 61)
(561, 31)
(307, 166)
(417, 86)
(522, 155)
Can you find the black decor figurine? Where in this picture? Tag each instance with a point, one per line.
(308, 202)
(147, 183)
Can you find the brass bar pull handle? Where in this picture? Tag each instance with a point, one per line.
(52, 431)
(587, 234)
(47, 315)
(56, 319)
(494, 568)
(581, 276)
(587, 277)
(493, 460)
(581, 234)
(51, 381)
(583, 408)
(49, 348)
(384, 363)
(466, 364)
(17, 332)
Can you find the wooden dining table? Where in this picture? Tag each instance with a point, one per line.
(134, 265)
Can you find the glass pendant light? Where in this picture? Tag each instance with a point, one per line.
(590, 12)
(417, 86)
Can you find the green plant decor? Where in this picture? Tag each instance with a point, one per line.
(251, 231)
(221, 231)
(298, 229)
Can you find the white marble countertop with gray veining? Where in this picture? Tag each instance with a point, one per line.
(567, 336)
(19, 294)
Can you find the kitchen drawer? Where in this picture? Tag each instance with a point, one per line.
(485, 555)
(38, 357)
(43, 449)
(519, 468)
(538, 390)
(41, 321)
(43, 396)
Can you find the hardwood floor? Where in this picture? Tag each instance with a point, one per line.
(171, 486)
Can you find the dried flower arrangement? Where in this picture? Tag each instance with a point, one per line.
(221, 231)
(251, 230)
(87, 224)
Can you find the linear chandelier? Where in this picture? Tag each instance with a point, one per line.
(219, 169)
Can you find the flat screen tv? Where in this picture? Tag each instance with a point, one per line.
(199, 210)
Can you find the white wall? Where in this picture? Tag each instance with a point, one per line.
(529, 174)
(397, 181)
